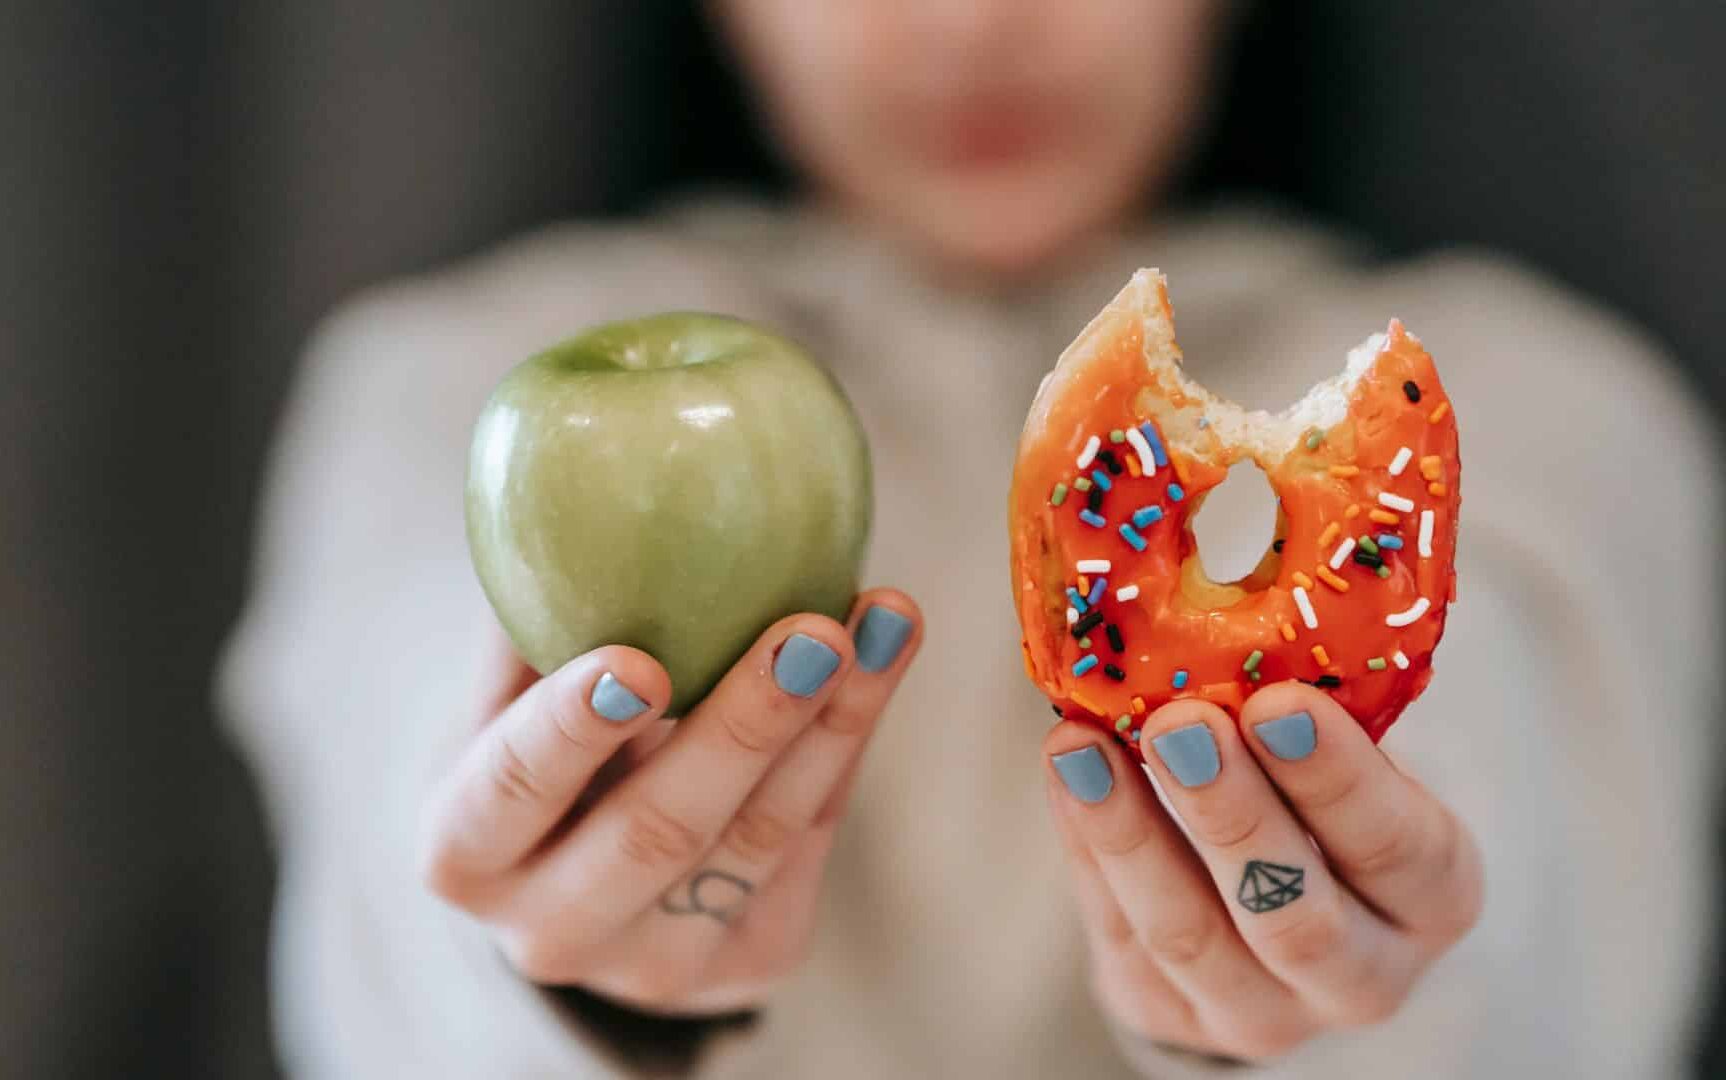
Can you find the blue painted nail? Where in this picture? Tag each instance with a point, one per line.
(1086, 774)
(880, 636)
(1290, 737)
(1190, 753)
(615, 701)
(803, 664)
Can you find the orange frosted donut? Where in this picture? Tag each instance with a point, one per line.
(1119, 451)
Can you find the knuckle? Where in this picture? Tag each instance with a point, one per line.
(511, 776)
(1458, 868)
(1368, 1010)
(655, 840)
(1180, 943)
(1306, 940)
(1340, 790)
(845, 717)
(760, 730)
(538, 959)
(757, 835)
(1261, 1040)
(1226, 828)
(1396, 847)
(1114, 929)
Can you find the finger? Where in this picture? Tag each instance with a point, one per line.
(1301, 924)
(1163, 891)
(504, 677)
(518, 778)
(1381, 832)
(658, 822)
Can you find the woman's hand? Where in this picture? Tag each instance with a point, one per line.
(1246, 940)
(672, 867)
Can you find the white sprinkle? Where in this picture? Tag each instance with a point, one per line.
(1147, 460)
(1395, 502)
(1127, 592)
(1072, 616)
(1144, 659)
(1093, 566)
(1089, 453)
(1307, 614)
(1342, 552)
(1426, 534)
(1400, 461)
(1415, 611)
(1399, 660)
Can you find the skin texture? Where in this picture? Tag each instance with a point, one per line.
(674, 484)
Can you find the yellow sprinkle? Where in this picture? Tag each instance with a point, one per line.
(1288, 632)
(1331, 579)
(1321, 656)
(1086, 703)
(1133, 465)
(1345, 471)
(1439, 413)
(1084, 585)
(1302, 580)
(1138, 705)
(1432, 467)
(1436, 490)
(1383, 517)
(1353, 509)
(1329, 534)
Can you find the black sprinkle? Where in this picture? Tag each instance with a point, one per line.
(1058, 712)
(1094, 499)
(1412, 391)
(1110, 461)
(1277, 545)
(1115, 641)
(1089, 621)
(1367, 558)
(1328, 682)
(1114, 673)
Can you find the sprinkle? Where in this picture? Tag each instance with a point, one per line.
(1180, 680)
(1382, 570)
(1127, 592)
(1092, 519)
(1147, 456)
(1072, 616)
(1133, 466)
(1134, 735)
(1146, 516)
(1089, 453)
(1097, 589)
(1400, 461)
(1439, 413)
(1313, 440)
(1117, 436)
(1084, 585)
(1058, 496)
(1086, 663)
(1426, 534)
(1078, 601)
(1395, 502)
(1412, 390)
(1092, 566)
(1149, 430)
(1331, 579)
(1254, 676)
(1110, 462)
(1084, 703)
(1094, 500)
(1102, 479)
(1138, 705)
(1329, 534)
(1204, 422)
(1304, 603)
(1085, 642)
(1399, 660)
(1252, 661)
(1181, 470)
(1345, 471)
(1176, 493)
(1321, 656)
(1383, 517)
(1432, 467)
(1436, 489)
(1376, 664)
(1083, 483)
(1324, 682)
(1367, 544)
(1415, 611)
(1342, 552)
(1114, 672)
(1122, 723)
(1087, 623)
(1352, 511)
(1389, 541)
(1368, 559)
(1113, 633)
(1132, 537)
(1143, 659)
(1058, 711)
(1287, 631)
(1277, 545)
(1302, 580)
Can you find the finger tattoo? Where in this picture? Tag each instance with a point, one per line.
(714, 893)
(1266, 886)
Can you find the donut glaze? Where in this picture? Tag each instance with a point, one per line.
(1119, 452)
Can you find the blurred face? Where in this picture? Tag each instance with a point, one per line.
(990, 135)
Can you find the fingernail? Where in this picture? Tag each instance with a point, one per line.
(880, 636)
(1086, 774)
(803, 664)
(1190, 754)
(1290, 737)
(615, 701)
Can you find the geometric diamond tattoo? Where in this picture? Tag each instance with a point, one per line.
(1267, 886)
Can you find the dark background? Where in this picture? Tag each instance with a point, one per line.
(184, 188)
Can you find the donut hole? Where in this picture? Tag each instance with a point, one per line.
(1234, 527)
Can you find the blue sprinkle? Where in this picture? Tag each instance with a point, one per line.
(1181, 679)
(1134, 735)
(1086, 663)
(1101, 478)
(1132, 538)
(1146, 516)
(1158, 454)
(1097, 588)
(1176, 493)
(1204, 422)
(1386, 540)
(1095, 521)
(1078, 601)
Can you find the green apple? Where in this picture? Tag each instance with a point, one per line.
(675, 483)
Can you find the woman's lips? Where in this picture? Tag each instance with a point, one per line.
(988, 135)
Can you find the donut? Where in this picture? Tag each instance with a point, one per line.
(1118, 452)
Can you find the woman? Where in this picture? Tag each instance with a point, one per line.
(743, 894)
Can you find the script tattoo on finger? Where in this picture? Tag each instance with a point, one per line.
(1266, 886)
(714, 893)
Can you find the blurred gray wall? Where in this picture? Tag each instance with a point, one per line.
(183, 188)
